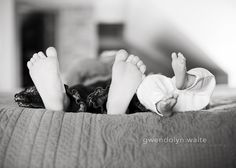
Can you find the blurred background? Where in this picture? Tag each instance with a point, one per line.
(204, 31)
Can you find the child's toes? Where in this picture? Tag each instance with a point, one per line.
(140, 63)
(141, 66)
(33, 59)
(41, 55)
(36, 57)
(135, 60)
(121, 55)
(130, 58)
(29, 64)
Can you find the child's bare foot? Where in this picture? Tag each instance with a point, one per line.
(180, 70)
(45, 74)
(127, 74)
(165, 106)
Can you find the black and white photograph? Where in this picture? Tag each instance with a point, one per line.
(117, 84)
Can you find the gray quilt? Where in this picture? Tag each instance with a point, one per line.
(42, 138)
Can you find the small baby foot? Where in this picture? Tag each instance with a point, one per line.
(45, 74)
(180, 70)
(165, 106)
(127, 74)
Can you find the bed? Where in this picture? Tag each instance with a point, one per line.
(44, 138)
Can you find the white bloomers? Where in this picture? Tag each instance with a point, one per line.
(196, 97)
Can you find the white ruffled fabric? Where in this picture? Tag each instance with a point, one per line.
(196, 97)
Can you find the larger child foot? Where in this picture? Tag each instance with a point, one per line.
(45, 74)
(127, 74)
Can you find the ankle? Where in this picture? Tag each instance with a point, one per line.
(58, 104)
(190, 79)
(115, 108)
(181, 84)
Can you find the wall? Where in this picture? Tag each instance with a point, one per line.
(75, 31)
(210, 24)
(206, 26)
(9, 58)
(76, 35)
(110, 11)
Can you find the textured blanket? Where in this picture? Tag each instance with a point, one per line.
(42, 138)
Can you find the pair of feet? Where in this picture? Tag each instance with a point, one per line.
(127, 74)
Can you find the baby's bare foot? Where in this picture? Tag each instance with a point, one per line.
(180, 70)
(45, 74)
(165, 106)
(127, 74)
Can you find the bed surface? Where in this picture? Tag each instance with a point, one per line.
(43, 138)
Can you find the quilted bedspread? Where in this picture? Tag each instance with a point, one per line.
(43, 138)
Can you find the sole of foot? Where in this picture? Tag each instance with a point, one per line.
(180, 70)
(127, 74)
(45, 73)
(166, 105)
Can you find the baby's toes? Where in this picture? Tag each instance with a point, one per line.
(181, 58)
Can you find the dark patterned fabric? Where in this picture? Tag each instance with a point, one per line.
(90, 98)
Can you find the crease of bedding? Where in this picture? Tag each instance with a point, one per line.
(17, 139)
(65, 141)
(43, 138)
(6, 137)
(38, 135)
(51, 142)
